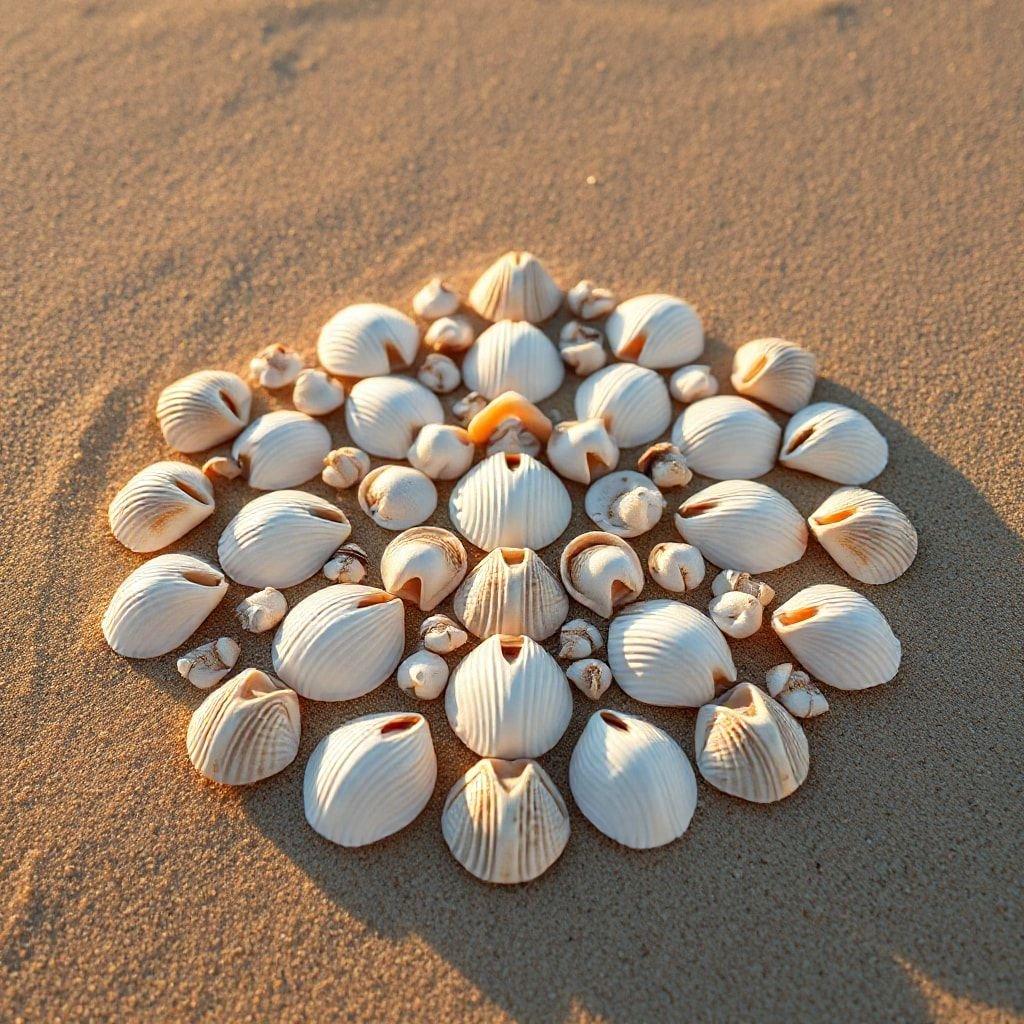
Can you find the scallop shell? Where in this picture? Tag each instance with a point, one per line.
(370, 778)
(435, 299)
(632, 400)
(209, 663)
(423, 566)
(516, 287)
(161, 604)
(834, 442)
(676, 567)
(601, 571)
(794, 690)
(442, 635)
(775, 371)
(579, 639)
(632, 781)
(203, 409)
(590, 676)
(736, 614)
(367, 340)
(727, 438)
(692, 383)
(261, 611)
(513, 356)
(397, 497)
(423, 675)
(246, 730)
(508, 698)
(160, 504)
(839, 636)
(276, 366)
(624, 503)
(344, 467)
(587, 301)
(442, 451)
(281, 449)
(316, 394)
(340, 642)
(582, 450)
(384, 414)
(449, 334)
(657, 331)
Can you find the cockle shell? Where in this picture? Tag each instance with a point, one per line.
(727, 438)
(508, 698)
(316, 394)
(367, 340)
(223, 467)
(587, 301)
(347, 565)
(775, 371)
(834, 442)
(839, 636)
(692, 383)
(465, 408)
(516, 287)
(581, 347)
(512, 591)
(665, 652)
(384, 414)
(423, 566)
(582, 450)
(276, 366)
(161, 604)
(656, 331)
(676, 567)
(601, 571)
(665, 465)
(449, 334)
(340, 642)
(579, 639)
(203, 409)
(733, 579)
(632, 400)
(736, 614)
(749, 746)
(344, 467)
(440, 373)
(743, 524)
(246, 730)
(397, 497)
(509, 405)
(505, 821)
(624, 503)
(442, 451)
(866, 534)
(590, 676)
(423, 675)
(795, 691)
(632, 781)
(281, 449)
(435, 299)
(370, 778)
(261, 611)
(441, 634)
(209, 663)
(160, 504)
(513, 356)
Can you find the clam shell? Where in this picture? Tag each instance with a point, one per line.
(692, 383)
(384, 414)
(727, 438)
(423, 566)
(676, 567)
(397, 497)
(516, 286)
(590, 676)
(834, 442)
(794, 690)
(209, 663)
(422, 675)
(582, 450)
(203, 409)
(513, 356)
(442, 451)
(601, 571)
(367, 340)
(435, 299)
(657, 331)
(624, 503)
(281, 449)
(316, 394)
(775, 371)
(632, 400)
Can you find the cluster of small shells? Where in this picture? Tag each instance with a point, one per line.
(509, 700)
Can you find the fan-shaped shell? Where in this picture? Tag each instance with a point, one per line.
(423, 565)
(516, 286)
(281, 449)
(513, 356)
(727, 438)
(601, 571)
(834, 442)
(632, 400)
(384, 414)
(624, 503)
(203, 409)
(367, 340)
(657, 331)
(397, 497)
(775, 371)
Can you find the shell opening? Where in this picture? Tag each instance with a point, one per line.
(689, 511)
(192, 492)
(411, 590)
(620, 593)
(511, 647)
(634, 349)
(798, 439)
(244, 464)
(798, 615)
(757, 366)
(740, 700)
(513, 556)
(508, 771)
(203, 577)
(256, 684)
(613, 720)
(330, 515)
(513, 460)
(229, 402)
(396, 361)
(372, 599)
(835, 517)
(595, 464)
(399, 724)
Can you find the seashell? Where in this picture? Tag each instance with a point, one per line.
(159, 505)
(370, 778)
(736, 614)
(665, 652)
(732, 579)
(384, 414)
(665, 465)
(208, 664)
(347, 565)
(340, 642)
(512, 591)
(397, 497)
(161, 604)
(261, 611)
(601, 571)
(632, 781)
(423, 566)
(727, 438)
(839, 636)
(582, 450)
(834, 442)
(435, 299)
(505, 821)
(516, 287)
(582, 348)
(866, 534)
(223, 467)
(510, 500)
(442, 635)
(280, 539)
(624, 503)
(692, 383)
(579, 639)
(511, 437)
(795, 691)
(316, 394)
(513, 356)
(367, 340)
(245, 731)
(590, 676)
(510, 405)
(203, 409)
(441, 451)
(281, 449)
(589, 302)
(468, 406)
(743, 524)
(749, 746)
(632, 401)
(656, 331)
(775, 371)
(676, 567)
(574, 333)
(276, 366)
(344, 467)
(440, 373)
(449, 334)
(423, 675)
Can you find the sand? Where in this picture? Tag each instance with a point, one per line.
(183, 184)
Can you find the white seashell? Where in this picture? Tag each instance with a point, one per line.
(161, 604)
(749, 746)
(736, 614)
(665, 465)
(775, 371)
(624, 503)
(203, 409)
(449, 334)
(223, 467)
(795, 691)
(245, 731)
(281, 449)
(733, 579)
(589, 302)
(839, 636)
(208, 664)
(582, 348)
(513, 438)
(435, 299)
(512, 591)
(727, 438)
(574, 333)
(370, 778)
(632, 401)
(582, 450)
(160, 504)
(423, 675)
(468, 406)
(692, 383)
(316, 394)
(384, 414)
(397, 497)
(516, 287)
(441, 634)
(344, 467)
(665, 652)
(281, 538)
(866, 534)
(261, 611)
(276, 366)
(579, 639)
(340, 642)
(601, 571)
(505, 821)
(632, 781)
(656, 331)
(743, 524)
(423, 566)
(676, 567)
(440, 373)
(513, 356)
(347, 565)
(442, 451)
(834, 442)
(367, 340)
(590, 676)
(510, 500)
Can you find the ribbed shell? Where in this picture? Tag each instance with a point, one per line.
(839, 637)
(667, 653)
(281, 449)
(397, 497)
(423, 565)
(340, 642)
(834, 442)
(632, 781)
(367, 340)
(775, 371)
(748, 745)
(657, 331)
(384, 414)
(744, 525)
(280, 539)
(160, 504)
(601, 571)
(632, 400)
(203, 409)
(161, 604)
(370, 778)
(727, 438)
(508, 698)
(505, 821)
(516, 286)
(513, 356)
